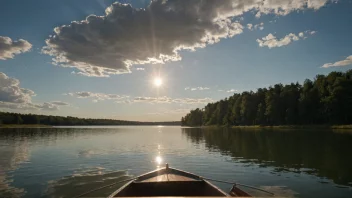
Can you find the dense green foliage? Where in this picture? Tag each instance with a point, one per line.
(326, 100)
(15, 118)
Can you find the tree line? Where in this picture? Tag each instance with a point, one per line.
(325, 100)
(16, 118)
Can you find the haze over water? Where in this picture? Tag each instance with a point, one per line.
(64, 162)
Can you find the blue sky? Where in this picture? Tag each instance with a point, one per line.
(295, 40)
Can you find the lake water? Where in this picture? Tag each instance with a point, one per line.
(64, 162)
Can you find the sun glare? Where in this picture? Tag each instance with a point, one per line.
(158, 160)
(158, 81)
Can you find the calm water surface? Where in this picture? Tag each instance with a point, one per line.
(64, 162)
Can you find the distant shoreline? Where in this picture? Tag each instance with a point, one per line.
(286, 127)
(7, 126)
(301, 127)
(4, 126)
(17, 120)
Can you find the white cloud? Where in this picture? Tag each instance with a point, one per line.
(271, 41)
(174, 111)
(10, 91)
(165, 99)
(258, 15)
(12, 96)
(197, 88)
(162, 99)
(312, 32)
(284, 7)
(192, 100)
(124, 36)
(346, 62)
(92, 71)
(232, 91)
(60, 103)
(47, 106)
(316, 4)
(178, 111)
(140, 69)
(110, 44)
(9, 48)
(259, 26)
(97, 96)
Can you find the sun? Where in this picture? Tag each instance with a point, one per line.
(158, 81)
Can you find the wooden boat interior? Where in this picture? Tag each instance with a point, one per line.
(169, 182)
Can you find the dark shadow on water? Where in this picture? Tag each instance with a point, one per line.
(321, 153)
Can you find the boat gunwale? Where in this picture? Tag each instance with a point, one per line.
(151, 174)
(120, 189)
(162, 171)
(217, 188)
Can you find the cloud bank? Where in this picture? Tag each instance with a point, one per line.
(97, 96)
(12, 96)
(165, 99)
(140, 99)
(346, 62)
(124, 36)
(271, 41)
(9, 48)
(173, 111)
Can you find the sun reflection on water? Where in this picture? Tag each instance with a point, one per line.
(158, 160)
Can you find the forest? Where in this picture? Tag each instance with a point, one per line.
(327, 100)
(29, 119)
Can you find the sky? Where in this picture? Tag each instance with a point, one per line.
(154, 61)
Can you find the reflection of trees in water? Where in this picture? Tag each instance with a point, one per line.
(14, 149)
(12, 154)
(321, 153)
(39, 135)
